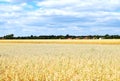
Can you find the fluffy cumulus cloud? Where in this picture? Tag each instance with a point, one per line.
(59, 17)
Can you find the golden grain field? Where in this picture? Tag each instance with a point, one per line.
(59, 62)
(65, 41)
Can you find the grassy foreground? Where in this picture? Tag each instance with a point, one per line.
(59, 62)
(65, 41)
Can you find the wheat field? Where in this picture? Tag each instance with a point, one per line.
(59, 62)
(64, 41)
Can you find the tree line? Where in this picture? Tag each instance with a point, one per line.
(107, 36)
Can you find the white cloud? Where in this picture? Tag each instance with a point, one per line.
(81, 4)
(69, 16)
(5, 0)
(10, 8)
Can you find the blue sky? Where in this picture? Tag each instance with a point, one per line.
(59, 17)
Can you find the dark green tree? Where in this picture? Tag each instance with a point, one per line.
(107, 36)
(10, 36)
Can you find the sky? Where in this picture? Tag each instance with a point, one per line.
(59, 17)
